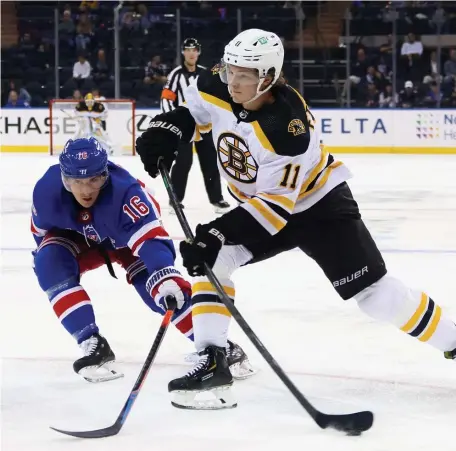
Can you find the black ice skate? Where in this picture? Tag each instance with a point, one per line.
(207, 386)
(221, 206)
(98, 358)
(238, 361)
(240, 366)
(450, 354)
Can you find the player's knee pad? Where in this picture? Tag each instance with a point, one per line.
(389, 299)
(205, 299)
(55, 264)
(229, 259)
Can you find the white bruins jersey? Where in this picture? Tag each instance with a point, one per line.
(272, 159)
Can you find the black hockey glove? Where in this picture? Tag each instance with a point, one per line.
(204, 249)
(160, 140)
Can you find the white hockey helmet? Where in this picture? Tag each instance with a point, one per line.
(255, 49)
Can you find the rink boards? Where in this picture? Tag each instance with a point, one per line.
(416, 131)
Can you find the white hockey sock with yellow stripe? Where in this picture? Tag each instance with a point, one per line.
(211, 319)
(425, 319)
(414, 312)
(429, 325)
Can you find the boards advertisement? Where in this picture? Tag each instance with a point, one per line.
(342, 130)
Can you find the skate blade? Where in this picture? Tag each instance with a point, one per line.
(212, 399)
(242, 370)
(102, 373)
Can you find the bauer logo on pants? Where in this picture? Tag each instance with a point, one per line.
(351, 277)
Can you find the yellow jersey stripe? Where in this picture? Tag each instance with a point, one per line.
(411, 323)
(216, 101)
(315, 171)
(205, 309)
(311, 122)
(204, 128)
(207, 286)
(237, 192)
(269, 215)
(433, 326)
(261, 136)
(278, 199)
(235, 197)
(300, 96)
(322, 181)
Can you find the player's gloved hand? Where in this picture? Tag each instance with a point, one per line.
(204, 249)
(160, 140)
(168, 281)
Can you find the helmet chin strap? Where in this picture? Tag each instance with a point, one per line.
(259, 93)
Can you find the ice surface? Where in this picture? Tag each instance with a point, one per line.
(342, 360)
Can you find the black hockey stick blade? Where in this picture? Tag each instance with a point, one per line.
(352, 424)
(117, 426)
(97, 433)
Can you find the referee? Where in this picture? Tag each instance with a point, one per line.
(172, 96)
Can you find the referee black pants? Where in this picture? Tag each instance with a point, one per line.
(208, 161)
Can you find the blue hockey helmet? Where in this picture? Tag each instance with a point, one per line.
(83, 158)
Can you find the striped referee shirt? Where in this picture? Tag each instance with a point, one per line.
(173, 91)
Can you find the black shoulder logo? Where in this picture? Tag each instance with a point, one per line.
(296, 127)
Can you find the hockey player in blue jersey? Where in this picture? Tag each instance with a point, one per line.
(88, 212)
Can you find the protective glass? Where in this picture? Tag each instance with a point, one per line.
(235, 75)
(91, 183)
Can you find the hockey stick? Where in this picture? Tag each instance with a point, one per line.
(67, 114)
(117, 426)
(352, 424)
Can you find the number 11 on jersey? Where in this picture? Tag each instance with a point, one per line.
(290, 169)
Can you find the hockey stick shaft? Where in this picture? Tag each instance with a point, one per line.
(229, 305)
(320, 418)
(166, 321)
(67, 114)
(117, 426)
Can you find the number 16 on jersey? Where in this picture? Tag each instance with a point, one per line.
(136, 209)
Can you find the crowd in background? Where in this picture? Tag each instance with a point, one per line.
(424, 77)
(423, 81)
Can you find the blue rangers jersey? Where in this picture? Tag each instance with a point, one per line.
(124, 214)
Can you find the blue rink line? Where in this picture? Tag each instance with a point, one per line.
(386, 251)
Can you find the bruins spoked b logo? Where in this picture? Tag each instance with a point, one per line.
(236, 159)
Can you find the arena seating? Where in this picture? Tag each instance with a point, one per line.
(149, 28)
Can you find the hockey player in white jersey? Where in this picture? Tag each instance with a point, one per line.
(292, 194)
(92, 115)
